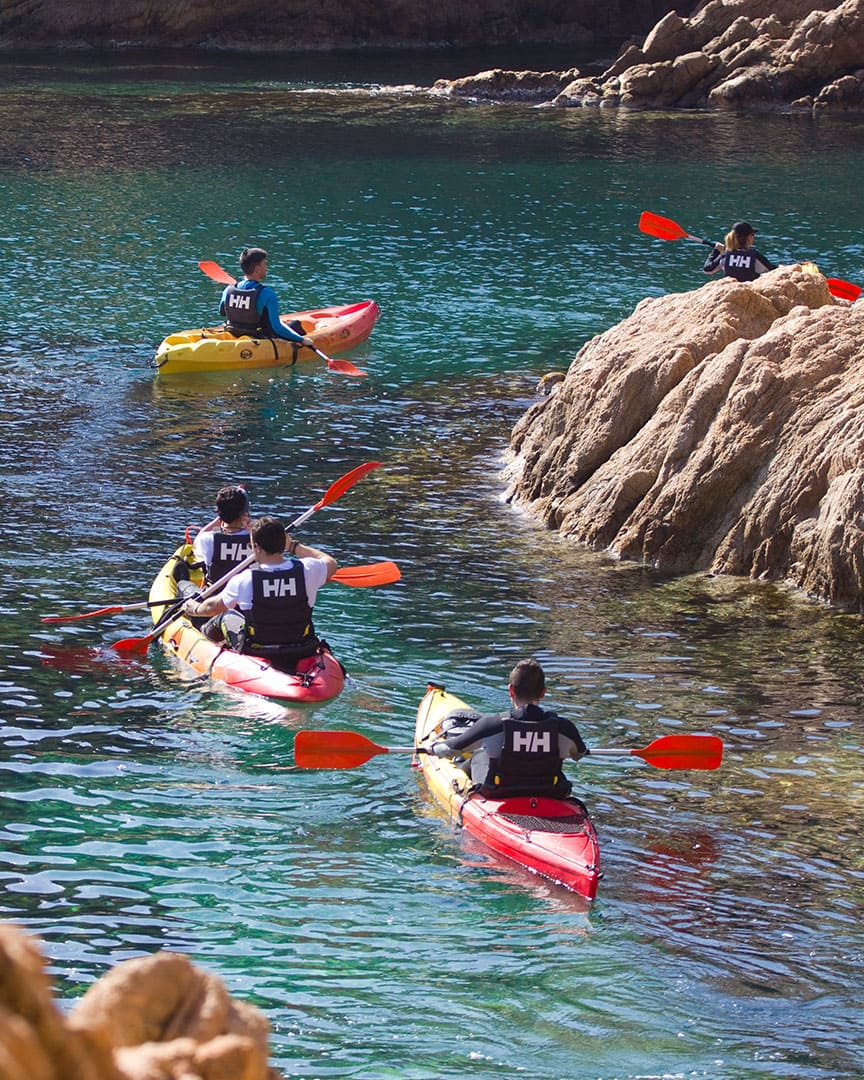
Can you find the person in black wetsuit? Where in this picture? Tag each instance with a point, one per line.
(520, 752)
(738, 258)
(251, 307)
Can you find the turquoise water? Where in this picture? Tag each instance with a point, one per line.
(142, 809)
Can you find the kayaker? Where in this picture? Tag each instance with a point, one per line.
(737, 258)
(520, 752)
(266, 610)
(224, 542)
(252, 308)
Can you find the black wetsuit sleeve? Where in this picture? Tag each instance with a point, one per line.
(763, 265)
(713, 262)
(569, 730)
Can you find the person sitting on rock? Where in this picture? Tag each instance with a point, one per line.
(520, 752)
(738, 258)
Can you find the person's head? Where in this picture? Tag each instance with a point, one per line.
(269, 534)
(253, 260)
(527, 681)
(741, 235)
(232, 503)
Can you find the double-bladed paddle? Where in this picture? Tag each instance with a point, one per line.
(337, 488)
(359, 577)
(350, 749)
(664, 228)
(215, 272)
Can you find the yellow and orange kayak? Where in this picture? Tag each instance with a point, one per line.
(317, 678)
(332, 329)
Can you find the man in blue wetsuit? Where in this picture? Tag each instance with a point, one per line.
(520, 752)
(738, 258)
(252, 308)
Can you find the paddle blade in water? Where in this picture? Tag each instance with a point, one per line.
(344, 367)
(661, 227)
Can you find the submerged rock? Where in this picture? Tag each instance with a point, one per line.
(720, 430)
(154, 1018)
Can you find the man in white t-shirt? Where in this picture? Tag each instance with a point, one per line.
(266, 610)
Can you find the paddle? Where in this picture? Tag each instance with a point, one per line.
(364, 577)
(349, 749)
(361, 577)
(216, 273)
(664, 228)
(336, 489)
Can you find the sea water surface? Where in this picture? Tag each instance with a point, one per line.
(144, 809)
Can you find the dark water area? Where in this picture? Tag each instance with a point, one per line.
(141, 808)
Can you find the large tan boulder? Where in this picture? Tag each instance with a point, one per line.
(720, 429)
(153, 1018)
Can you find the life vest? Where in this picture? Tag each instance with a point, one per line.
(229, 550)
(240, 308)
(741, 264)
(530, 758)
(281, 613)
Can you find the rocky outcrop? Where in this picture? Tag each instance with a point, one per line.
(153, 1018)
(291, 25)
(802, 54)
(718, 430)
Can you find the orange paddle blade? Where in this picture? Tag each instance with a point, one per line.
(676, 752)
(661, 227)
(214, 270)
(340, 486)
(343, 367)
(843, 290)
(364, 577)
(338, 749)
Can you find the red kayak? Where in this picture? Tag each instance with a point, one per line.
(552, 837)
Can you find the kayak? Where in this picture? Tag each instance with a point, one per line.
(318, 678)
(552, 837)
(333, 329)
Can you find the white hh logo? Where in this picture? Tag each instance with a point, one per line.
(738, 260)
(244, 302)
(532, 742)
(279, 587)
(233, 552)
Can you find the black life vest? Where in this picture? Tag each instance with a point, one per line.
(229, 550)
(281, 613)
(240, 308)
(741, 264)
(530, 758)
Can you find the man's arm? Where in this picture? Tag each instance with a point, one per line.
(268, 306)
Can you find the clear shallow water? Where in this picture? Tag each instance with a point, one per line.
(142, 810)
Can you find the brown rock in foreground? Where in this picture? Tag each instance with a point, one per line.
(720, 429)
(153, 1018)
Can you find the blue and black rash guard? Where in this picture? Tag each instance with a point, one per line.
(252, 308)
(746, 264)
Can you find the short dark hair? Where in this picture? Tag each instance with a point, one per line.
(269, 533)
(231, 502)
(527, 680)
(250, 257)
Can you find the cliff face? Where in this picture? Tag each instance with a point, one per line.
(313, 24)
(719, 430)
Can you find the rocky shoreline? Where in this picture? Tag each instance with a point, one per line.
(731, 54)
(716, 430)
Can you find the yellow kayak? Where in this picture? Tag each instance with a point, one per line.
(332, 329)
